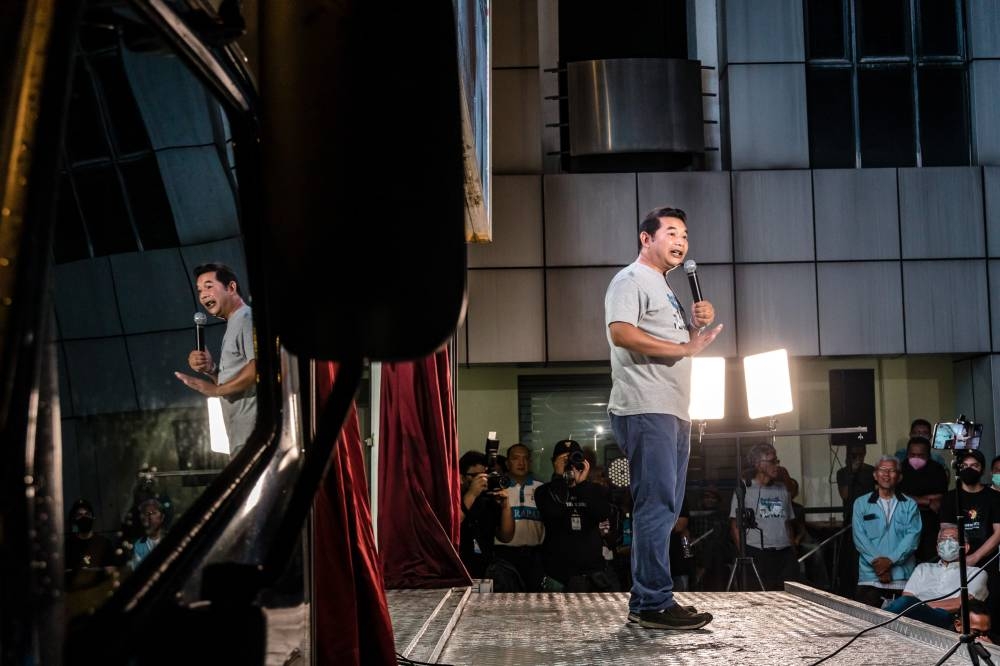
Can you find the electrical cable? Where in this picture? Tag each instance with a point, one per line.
(904, 612)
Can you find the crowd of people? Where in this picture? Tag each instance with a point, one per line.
(95, 560)
(572, 532)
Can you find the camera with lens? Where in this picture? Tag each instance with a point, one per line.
(495, 480)
(575, 461)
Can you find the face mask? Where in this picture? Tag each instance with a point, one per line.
(917, 463)
(969, 476)
(83, 524)
(948, 549)
(996, 480)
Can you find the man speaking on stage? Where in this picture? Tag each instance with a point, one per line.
(651, 341)
(234, 377)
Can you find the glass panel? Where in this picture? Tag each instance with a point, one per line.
(938, 28)
(944, 118)
(84, 136)
(139, 446)
(826, 28)
(104, 210)
(883, 27)
(885, 99)
(831, 128)
(150, 207)
(70, 240)
(126, 128)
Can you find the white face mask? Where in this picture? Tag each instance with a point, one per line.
(947, 549)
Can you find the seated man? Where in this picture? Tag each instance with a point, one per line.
(934, 579)
(886, 527)
(485, 515)
(151, 515)
(572, 509)
(980, 624)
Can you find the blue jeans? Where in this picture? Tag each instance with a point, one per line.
(657, 446)
(936, 616)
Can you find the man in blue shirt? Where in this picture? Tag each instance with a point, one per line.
(886, 527)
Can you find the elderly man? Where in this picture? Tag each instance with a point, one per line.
(934, 579)
(769, 542)
(886, 527)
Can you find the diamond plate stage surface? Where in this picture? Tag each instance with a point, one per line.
(797, 626)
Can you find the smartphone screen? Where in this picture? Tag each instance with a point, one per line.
(951, 435)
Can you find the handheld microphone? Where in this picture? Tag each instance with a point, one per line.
(691, 268)
(199, 330)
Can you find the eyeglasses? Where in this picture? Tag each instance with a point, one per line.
(150, 514)
(975, 466)
(770, 461)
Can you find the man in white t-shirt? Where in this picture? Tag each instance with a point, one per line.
(935, 579)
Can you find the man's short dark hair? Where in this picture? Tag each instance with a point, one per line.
(758, 451)
(223, 274)
(923, 422)
(651, 222)
(978, 607)
(994, 462)
(514, 446)
(471, 459)
(917, 439)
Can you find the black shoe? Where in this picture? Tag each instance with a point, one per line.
(633, 616)
(675, 617)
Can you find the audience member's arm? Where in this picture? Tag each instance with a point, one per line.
(844, 492)
(978, 585)
(983, 552)
(681, 525)
(505, 530)
(951, 604)
(734, 532)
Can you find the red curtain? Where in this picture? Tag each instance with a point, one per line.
(352, 617)
(419, 513)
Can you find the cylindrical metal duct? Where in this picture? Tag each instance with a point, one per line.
(635, 105)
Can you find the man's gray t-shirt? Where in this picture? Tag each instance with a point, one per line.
(238, 410)
(639, 295)
(773, 508)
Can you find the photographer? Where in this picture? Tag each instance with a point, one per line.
(486, 515)
(572, 509)
(768, 534)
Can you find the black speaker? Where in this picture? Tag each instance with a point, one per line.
(852, 403)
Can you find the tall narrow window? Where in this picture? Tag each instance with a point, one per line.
(887, 83)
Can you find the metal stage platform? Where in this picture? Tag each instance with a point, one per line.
(797, 626)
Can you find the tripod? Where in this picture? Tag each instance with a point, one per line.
(976, 650)
(742, 563)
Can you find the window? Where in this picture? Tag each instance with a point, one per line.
(887, 83)
(555, 407)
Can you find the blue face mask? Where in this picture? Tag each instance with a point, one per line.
(996, 480)
(947, 549)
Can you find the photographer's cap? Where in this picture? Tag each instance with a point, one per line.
(565, 446)
(962, 454)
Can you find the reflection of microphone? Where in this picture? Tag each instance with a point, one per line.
(199, 329)
(691, 269)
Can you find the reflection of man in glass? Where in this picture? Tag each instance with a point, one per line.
(234, 378)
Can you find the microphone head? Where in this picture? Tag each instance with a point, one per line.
(200, 319)
(690, 267)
